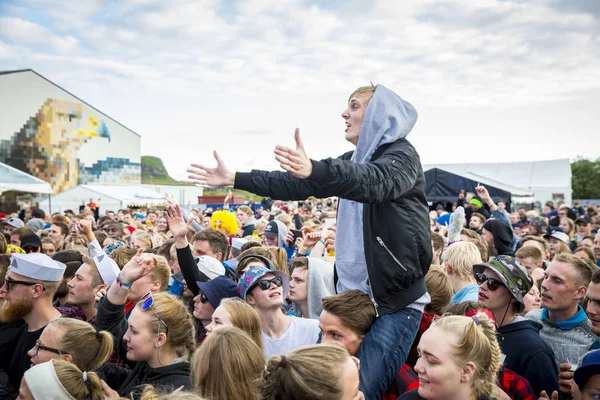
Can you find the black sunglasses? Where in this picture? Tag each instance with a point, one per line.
(266, 284)
(492, 283)
(16, 282)
(38, 346)
(203, 298)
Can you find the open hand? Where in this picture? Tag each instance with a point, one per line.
(296, 162)
(204, 176)
(177, 225)
(140, 265)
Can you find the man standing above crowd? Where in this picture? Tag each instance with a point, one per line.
(382, 180)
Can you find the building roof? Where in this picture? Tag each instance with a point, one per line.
(523, 175)
(129, 194)
(13, 179)
(61, 88)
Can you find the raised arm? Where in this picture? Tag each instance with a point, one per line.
(179, 228)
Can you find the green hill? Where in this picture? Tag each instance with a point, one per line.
(155, 173)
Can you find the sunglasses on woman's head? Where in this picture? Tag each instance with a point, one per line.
(266, 284)
(492, 283)
(147, 302)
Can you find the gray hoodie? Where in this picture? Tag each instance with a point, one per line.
(319, 284)
(387, 119)
(282, 232)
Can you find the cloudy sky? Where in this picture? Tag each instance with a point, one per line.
(511, 80)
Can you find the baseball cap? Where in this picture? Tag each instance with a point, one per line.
(252, 276)
(584, 219)
(563, 237)
(218, 289)
(590, 366)
(15, 222)
(32, 240)
(271, 230)
(210, 266)
(512, 274)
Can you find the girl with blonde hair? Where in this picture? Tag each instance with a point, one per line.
(74, 341)
(459, 358)
(159, 339)
(59, 379)
(236, 312)
(325, 372)
(228, 366)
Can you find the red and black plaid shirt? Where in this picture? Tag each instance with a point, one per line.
(426, 321)
(405, 381)
(515, 386)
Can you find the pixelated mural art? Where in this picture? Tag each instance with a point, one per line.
(47, 147)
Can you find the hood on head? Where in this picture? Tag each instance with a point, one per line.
(387, 118)
(319, 284)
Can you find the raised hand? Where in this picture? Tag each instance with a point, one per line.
(140, 265)
(544, 395)
(85, 227)
(296, 162)
(204, 176)
(177, 225)
(483, 193)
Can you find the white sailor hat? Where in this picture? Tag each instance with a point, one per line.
(37, 266)
(107, 267)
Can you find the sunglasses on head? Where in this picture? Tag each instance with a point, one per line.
(266, 284)
(146, 304)
(492, 283)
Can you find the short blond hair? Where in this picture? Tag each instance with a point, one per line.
(530, 252)
(369, 90)
(461, 256)
(439, 288)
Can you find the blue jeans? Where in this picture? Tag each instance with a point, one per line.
(384, 350)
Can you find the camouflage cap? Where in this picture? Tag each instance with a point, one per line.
(512, 273)
(540, 224)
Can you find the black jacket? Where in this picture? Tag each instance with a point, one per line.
(528, 355)
(397, 238)
(164, 379)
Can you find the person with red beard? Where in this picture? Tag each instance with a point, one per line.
(29, 286)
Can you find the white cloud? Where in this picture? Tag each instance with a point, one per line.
(269, 65)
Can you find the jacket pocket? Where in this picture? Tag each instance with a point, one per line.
(382, 244)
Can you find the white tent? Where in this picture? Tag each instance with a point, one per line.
(112, 197)
(13, 179)
(548, 180)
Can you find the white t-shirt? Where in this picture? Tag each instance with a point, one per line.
(302, 332)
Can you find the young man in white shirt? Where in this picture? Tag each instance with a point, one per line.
(266, 291)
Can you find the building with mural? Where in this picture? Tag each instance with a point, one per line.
(51, 134)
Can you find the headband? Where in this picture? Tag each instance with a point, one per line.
(43, 383)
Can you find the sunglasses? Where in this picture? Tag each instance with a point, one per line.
(38, 346)
(492, 283)
(16, 282)
(203, 298)
(266, 284)
(147, 302)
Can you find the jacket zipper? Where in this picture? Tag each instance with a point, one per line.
(391, 254)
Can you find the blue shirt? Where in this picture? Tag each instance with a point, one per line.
(468, 293)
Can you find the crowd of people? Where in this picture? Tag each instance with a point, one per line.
(349, 287)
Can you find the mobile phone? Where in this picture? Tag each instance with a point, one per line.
(297, 234)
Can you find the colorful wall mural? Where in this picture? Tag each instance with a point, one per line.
(66, 142)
